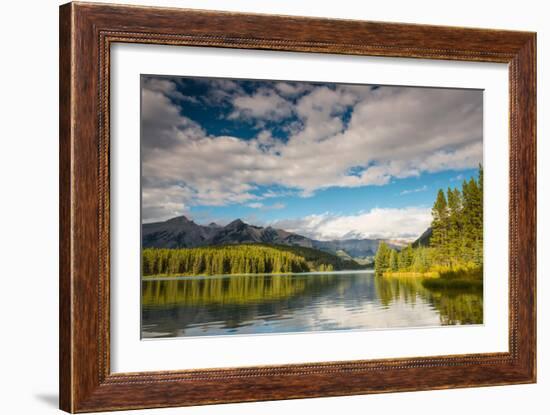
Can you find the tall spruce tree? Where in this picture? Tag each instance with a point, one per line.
(394, 264)
(454, 200)
(457, 234)
(382, 258)
(478, 220)
(472, 194)
(440, 228)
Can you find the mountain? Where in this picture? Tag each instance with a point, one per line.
(240, 232)
(424, 239)
(178, 232)
(356, 248)
(181, 232)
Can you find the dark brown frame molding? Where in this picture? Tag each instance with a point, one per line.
(86, 33)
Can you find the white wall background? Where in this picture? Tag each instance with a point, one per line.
(28, 207)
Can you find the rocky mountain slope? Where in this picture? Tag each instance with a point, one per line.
(180, 232)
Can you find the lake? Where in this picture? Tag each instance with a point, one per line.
(256, 304)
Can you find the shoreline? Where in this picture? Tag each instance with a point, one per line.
(429, 274)
(433, 280)
(184, 277)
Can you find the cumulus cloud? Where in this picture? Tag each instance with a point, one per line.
(385, 223)
(163, 127)
(264, 105)
(417, 190)
(261, 206)
(255, 205)
(292, 89)
(159, 203)
(342, 136)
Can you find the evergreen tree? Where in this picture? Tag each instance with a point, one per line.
(454, 198)
(382, 258)
(473, 220)
(440, 227)
(456, 243)
(394, 264)
(478, 245)
(407, 259)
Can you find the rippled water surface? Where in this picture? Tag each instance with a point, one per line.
(253, 304)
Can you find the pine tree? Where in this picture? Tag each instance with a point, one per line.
(408, 254)
(456, 243)
(440, 227)
(394, 264)
(473, 220)
(454, 198)
(382, 258)
(421, 262)
(477, 219)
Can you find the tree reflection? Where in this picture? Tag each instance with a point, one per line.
(245, 289)
(299, 302)
(455, 306)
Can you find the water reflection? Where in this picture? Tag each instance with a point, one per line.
(298, 302)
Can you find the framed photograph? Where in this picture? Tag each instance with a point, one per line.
(260, 207)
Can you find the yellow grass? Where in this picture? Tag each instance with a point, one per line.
(431, 274)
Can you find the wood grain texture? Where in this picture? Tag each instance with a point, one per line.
(65, 246)
(86, 33)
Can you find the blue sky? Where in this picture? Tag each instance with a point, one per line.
(328, 161)
(399, 193)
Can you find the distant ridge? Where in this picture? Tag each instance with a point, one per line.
(181, 232)
(424, 239)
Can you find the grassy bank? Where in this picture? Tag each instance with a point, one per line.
(446, 278)
(405, 274)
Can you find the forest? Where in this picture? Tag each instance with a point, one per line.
(239, 259)
(453, 256)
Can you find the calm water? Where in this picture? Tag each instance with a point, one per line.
(200, 306)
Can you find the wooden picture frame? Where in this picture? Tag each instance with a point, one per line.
(86, 33)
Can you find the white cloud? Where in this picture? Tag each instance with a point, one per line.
(220, 91)
(292, 89)
(162, 124)
(264, 105)
(162, 85)
(386, 133)
(417, 190)
(256, 205)
(261, 206)
(162, 203)
(385, 223)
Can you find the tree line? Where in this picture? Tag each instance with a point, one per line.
(455, 248)
(227, 259)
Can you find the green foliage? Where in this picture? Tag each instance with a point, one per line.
(456, 245)
(473, 219)
(406, 258)
(394, 265)
(382, 258)
(239, 259)
(440, 227)
(317, 259)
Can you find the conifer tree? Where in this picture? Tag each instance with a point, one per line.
(394, 265)
(456, 243)
(440, 225)
(454, 198)
(382, 258)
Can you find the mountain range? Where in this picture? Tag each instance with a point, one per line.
(181, 232)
